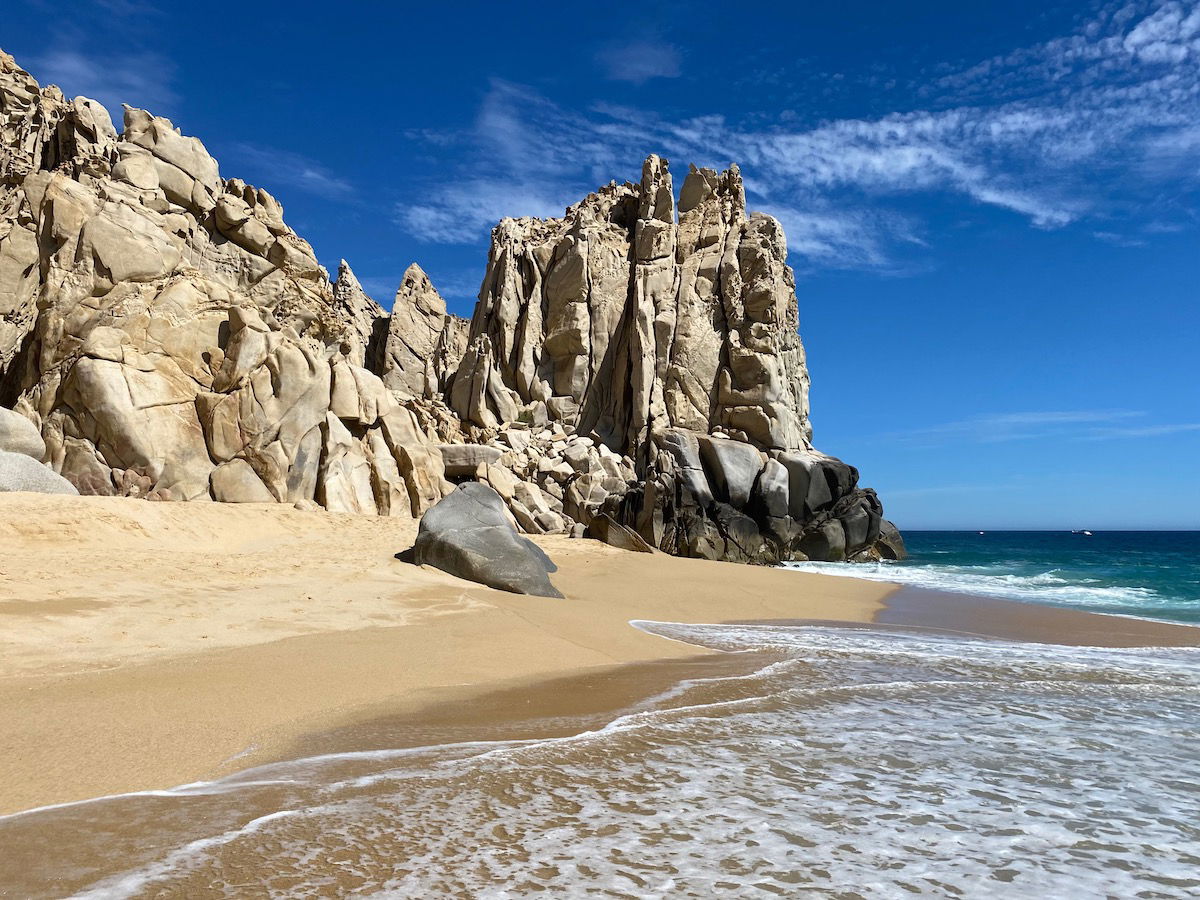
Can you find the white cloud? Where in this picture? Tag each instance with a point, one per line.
(465, 212)
(1091, 425)
(639, 61)
(141, 79)
(1134, 431)
(269, 165)
(1075, 129)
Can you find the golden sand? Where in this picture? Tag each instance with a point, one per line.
(144, 645)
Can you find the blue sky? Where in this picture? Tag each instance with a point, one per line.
(992, 208)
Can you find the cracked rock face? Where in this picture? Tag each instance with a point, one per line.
(423, 344)
(632, 368)
(625, 319)
(668, 336)
(170, 336)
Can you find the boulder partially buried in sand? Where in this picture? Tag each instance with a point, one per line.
(470, 534)
(19, 472)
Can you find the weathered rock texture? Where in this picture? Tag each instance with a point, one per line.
(623, 321)
(470, 534)
(173, 337)
(424, 344)
(670, 339)
(631, 367)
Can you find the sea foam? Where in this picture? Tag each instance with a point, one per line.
(857, 761)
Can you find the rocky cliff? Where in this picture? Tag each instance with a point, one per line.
(170, 336)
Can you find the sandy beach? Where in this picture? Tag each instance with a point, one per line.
(150, 644)
(146, 645)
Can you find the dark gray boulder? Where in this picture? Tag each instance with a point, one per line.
(826, 543)
(890, 544)
(733, 467)
(469, 534)
(857, 526)
(683, 446)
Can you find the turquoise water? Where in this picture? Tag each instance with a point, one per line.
(1155, 574)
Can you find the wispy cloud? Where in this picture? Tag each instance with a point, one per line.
(1070, 130)
(464, 212)
(273, 166)
(1141, 431)
(639, 61)
(139, 78)
(948, 489)
(129, 8)
(991, 428)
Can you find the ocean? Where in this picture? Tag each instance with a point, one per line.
(1152, 574)
(836, 762)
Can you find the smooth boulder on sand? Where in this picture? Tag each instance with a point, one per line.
(469, 534)
(19, 472)
(21, 452)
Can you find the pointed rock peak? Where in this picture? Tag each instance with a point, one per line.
(658, 200)
(348, 294)
(417, 290)
(346, 277)
(415, 277)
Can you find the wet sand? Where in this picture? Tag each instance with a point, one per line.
(969, 616)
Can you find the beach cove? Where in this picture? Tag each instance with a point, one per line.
(198, 641)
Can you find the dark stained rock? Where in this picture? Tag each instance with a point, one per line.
(604, 528)
(733, 467)
(826, 543)
(890, 544)
(857, 526)
(469, 534)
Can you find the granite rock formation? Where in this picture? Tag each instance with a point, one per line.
(172, 336)
(671, 339)
(471, 534)
(634, 364)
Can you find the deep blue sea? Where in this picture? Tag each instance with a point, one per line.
(1155, 574)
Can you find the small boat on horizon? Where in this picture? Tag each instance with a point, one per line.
(1081, 531)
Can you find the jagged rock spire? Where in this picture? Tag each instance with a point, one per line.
(624, 320)
(365, 319)
(424, 344)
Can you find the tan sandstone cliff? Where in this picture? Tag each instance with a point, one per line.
(171, 337)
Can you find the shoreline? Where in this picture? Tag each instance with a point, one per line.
(145, 645)
(150, 698)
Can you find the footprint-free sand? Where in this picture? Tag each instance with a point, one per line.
(145, 645)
